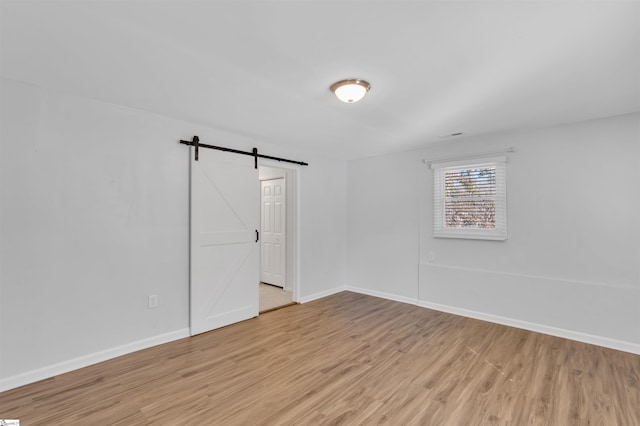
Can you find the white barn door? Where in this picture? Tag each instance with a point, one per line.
(225, 210)
(273, 223)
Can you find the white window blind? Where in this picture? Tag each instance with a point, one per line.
(470, 199)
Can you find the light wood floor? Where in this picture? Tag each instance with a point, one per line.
(272, 297)
(346, 359)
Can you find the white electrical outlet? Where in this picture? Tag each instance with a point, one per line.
(153, 301)
(432, 256)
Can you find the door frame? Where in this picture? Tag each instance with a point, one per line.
(293, 222)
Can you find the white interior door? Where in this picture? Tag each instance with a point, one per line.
(273, 223)
(225, 211)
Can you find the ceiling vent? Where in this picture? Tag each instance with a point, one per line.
(451, 135)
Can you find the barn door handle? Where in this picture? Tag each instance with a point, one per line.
(257, 235)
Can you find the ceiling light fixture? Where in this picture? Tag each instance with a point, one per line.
(350, 91)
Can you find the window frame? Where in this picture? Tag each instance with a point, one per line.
(440, 230)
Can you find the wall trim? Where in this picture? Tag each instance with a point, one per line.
(525, 325)
(536, 277)
(321, 294)
(90, 359)
(539, 328)
(383, 295)
(96, 357)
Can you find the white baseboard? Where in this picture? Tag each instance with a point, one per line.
(321, 294)
(383, 295)
(539, 328)
(94, 358)
(86, 360)
(603, 314)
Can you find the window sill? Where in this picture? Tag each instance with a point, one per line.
(470, 236)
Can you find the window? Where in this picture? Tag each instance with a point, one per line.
(470, 199)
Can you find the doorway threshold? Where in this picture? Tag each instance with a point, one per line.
(272, 297)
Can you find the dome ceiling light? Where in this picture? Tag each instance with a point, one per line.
(350, 91)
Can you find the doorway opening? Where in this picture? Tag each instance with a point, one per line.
(278, 236)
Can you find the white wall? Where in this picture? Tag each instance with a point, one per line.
(324, 239)
(94, 218)
(571, 264)
(384, 220)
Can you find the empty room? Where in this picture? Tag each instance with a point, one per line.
(320, 212)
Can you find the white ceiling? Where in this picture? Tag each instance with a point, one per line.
(264, 68)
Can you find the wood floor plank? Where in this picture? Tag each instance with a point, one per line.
(346, 359)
